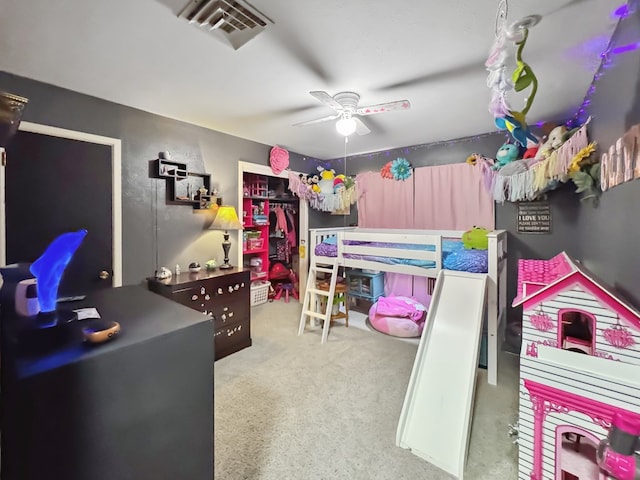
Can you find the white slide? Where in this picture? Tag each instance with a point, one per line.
(436, 415)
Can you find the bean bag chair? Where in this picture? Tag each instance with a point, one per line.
(398, 316)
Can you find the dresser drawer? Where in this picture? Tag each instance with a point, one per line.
(224, 295)
(227, 313)
(231, 338)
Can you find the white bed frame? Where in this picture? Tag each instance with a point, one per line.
(496, 281)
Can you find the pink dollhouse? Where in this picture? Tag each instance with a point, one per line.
(577, 336)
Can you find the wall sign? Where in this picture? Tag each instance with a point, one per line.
(534, 217)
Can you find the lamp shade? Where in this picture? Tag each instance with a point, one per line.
(226, 219)
(346, 126)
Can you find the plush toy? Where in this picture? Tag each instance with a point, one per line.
(338, 183)
(553, 142)
(476, 238)
(506, 154)
(312, 179)
(326, 180)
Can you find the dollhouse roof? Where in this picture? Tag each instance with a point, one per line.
(540, 279)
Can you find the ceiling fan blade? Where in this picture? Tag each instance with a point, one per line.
(318, 120)
(361, 128)
(327, 99)
(384, 107)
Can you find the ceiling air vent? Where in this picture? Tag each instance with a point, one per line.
(234, 21)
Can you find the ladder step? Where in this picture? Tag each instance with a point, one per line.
(324, 270)
(318, 291)
(311, 313)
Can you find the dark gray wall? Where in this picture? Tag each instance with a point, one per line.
(181, 237)
(609, 234)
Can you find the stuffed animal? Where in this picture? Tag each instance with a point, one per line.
(476, 238)
(326, 180)
(553, 142)
(338, 183)
(507, 153)
(312, 179)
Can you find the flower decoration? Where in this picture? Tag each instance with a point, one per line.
(385, 172)
(279, 159)
(578, 159)
(400, 169)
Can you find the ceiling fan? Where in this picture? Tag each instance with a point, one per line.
(348, 112)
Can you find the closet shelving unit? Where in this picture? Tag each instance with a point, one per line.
(255, 222)
(261, 194)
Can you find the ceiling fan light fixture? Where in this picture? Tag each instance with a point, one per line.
(346, 126)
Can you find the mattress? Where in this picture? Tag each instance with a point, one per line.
(454, 255)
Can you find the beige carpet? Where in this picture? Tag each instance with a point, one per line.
(289, 408)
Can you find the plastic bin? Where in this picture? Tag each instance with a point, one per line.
(259, 292)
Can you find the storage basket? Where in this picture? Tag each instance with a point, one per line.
(259, 292)
(255, 243)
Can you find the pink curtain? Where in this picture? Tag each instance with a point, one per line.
(445, 197)
(385, 203)
(452, 197)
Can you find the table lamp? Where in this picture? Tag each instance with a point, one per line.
(226, 219)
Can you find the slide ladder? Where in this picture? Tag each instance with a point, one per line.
(313, 296)
(436, 415)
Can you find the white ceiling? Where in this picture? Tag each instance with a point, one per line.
(431, 52)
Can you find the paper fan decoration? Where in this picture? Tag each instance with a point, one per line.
(385, 172)
(279, 159)
(401, 169)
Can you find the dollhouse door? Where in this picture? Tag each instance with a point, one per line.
(55, 185)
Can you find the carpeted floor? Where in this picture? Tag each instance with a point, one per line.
(289, 408)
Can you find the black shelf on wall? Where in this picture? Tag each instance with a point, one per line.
(183, 186)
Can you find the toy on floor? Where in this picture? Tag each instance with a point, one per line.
(579, 371)
(398, 316)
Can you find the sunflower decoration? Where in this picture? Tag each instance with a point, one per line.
(584, 171)
(385, 172)
(401, 169)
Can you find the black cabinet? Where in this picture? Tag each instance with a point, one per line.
(223, 294)
(138, 407)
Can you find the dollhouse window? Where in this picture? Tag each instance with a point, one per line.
(576, 331)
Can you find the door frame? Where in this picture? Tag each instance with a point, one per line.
(116, 187)
(303, 220)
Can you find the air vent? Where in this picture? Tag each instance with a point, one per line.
(235, 21)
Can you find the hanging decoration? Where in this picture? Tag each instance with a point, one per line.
(385, 172)
(324, 190)
(278, 159)
(618, 336)
(565, 156)
(401, 169)
(505, 117)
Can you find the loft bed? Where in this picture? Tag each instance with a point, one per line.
(423, 253)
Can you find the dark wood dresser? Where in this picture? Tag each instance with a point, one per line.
(223, 294)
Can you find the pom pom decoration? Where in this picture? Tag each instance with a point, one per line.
(385, 172)
(279, 159)
(400, 169)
